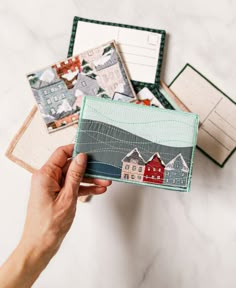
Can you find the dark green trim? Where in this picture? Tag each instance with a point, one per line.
(182, 70)
(137, 85)
(217, 88)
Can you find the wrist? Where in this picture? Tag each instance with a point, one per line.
(28, 262)
(23, 267)
(34, 255)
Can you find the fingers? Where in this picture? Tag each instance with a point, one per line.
(58, 159)
(99, 182)
(75, 174)
(96, 181)
(89, 190)
(66, 166)
(60, 156)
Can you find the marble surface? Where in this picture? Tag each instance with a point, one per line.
(131, 236)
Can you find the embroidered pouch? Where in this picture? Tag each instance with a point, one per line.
(137, 144)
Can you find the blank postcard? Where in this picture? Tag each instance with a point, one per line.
(139, 48)
(217, 112)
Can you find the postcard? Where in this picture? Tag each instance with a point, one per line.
(140, 47)
(217, 113)
(60, 88)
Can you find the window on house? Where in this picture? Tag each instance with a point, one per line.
(132, 177)
(154, 169)
(45, 92)
(53, 111)
(159, 170)
(182, 181)
(158, 177)
(139, 177)
(148, 168)
(90, 53)
(134, 168)
(55, 98)
(140, 169)
(146, 177)
(126, 167)
(153, 177)
(167, 180)
(83, 83)
(173, 181)
(52, 89)
(49, 101)
(126, 176)
(62, 95)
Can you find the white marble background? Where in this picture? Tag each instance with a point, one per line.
(132, 236)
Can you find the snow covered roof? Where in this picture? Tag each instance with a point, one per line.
(134, 154)
(105, 61)
(158, 156)
(170, 165)
(42, 84)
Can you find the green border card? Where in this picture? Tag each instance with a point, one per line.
(142, 49)
(216, 110)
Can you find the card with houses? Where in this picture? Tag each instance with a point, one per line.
(60, 88)
(137, 144)
(142, 49)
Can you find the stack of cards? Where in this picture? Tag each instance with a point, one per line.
(110, 85)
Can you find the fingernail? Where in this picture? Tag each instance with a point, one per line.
(81, 159)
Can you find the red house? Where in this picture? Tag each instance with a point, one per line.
(70, 65)
(154, 170)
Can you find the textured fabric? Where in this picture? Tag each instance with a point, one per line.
(60, 88)
(138, 144)
(138, 85)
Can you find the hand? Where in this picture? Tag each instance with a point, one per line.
(51, 209)
(54, 192)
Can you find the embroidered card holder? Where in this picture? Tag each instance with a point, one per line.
(141, 48)
(60, 88)
(137, 144)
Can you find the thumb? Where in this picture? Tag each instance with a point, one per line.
(75, 173)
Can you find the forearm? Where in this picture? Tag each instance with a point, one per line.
(22, 268)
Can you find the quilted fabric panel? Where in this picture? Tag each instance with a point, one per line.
(60, 88)
(137, 144)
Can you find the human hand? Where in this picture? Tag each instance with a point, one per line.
(51, 209)
(54, 192)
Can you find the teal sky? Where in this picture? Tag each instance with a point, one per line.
(158, 125)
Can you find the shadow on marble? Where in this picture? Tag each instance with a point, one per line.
(165, 57)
